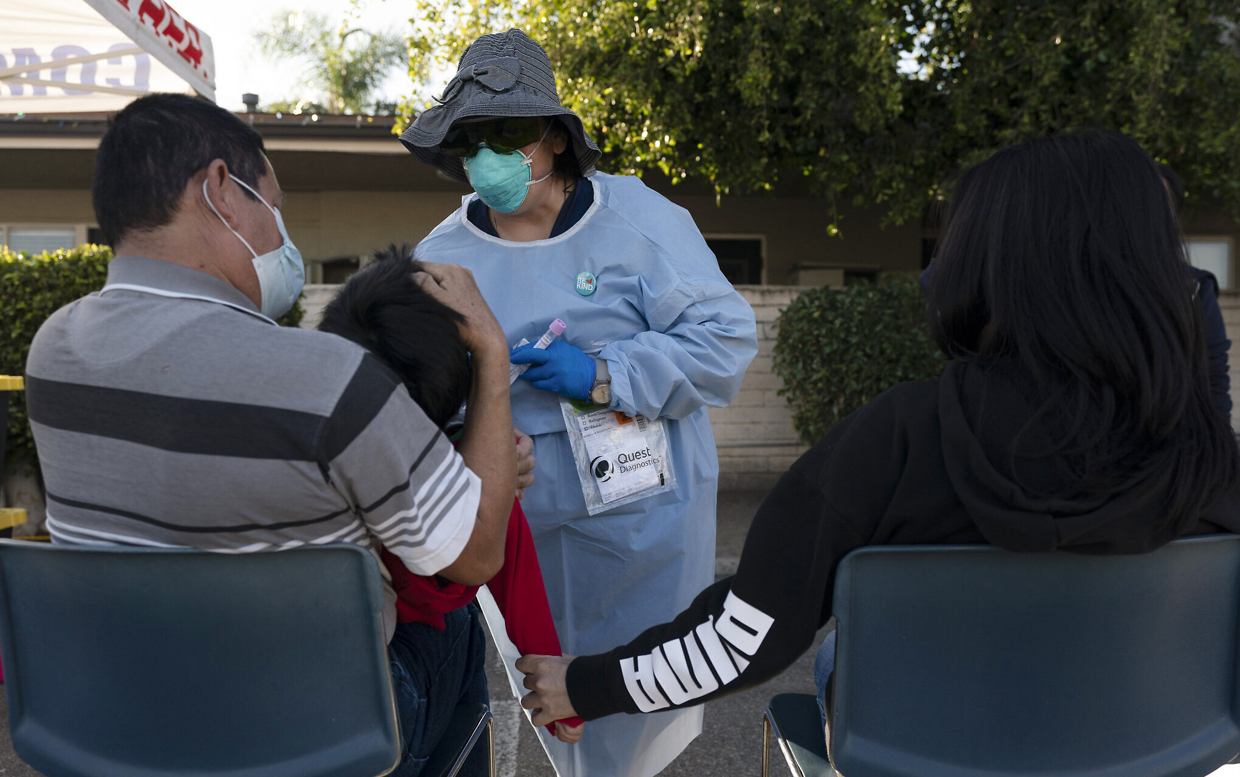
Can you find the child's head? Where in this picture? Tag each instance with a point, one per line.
(383, 310)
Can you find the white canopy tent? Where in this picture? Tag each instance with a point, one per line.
(71, 56)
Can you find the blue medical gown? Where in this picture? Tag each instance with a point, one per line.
(677, 338)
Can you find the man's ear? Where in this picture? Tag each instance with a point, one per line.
(220, 188)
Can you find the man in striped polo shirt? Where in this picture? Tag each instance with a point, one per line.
(170, 410)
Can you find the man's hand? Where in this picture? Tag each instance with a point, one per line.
(525, 462)
(545, 677)
(455, 287)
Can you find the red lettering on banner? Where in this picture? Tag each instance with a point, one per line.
(192, 52)
(172, 30)
(151, 10)
(181, 36)
(123, 4)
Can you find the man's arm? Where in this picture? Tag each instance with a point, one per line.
(487, 445)
(398, 472)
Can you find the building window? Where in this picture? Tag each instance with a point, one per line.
(36, 240)
(740, 257)
(334, 270)
(1213, 254)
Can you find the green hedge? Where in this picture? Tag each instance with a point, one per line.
(31, 289)
(838, 349)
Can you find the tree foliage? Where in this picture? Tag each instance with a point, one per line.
(870, 101)
(440, 31)
(343, 64)
(1165, 73)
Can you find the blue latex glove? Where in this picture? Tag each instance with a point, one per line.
(561, 368)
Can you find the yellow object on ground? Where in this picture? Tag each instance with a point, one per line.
(11, 516)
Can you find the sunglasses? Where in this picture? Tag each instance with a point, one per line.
(502, 136)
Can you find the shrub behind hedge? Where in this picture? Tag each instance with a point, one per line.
(33, 288)
(838, 349)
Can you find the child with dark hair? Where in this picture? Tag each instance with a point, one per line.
(383, 309)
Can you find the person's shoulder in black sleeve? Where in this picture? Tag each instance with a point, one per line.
(1217, 344)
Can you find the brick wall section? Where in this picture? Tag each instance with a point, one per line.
(313, 299)
(1229, 303)
(754, 435)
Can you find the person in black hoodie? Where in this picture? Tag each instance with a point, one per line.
(1074, 413)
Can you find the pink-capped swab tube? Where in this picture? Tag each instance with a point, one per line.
(556, 329)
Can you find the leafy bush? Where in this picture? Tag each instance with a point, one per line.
(838, 349)
(33, 288)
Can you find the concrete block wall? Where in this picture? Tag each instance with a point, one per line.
(754, 435)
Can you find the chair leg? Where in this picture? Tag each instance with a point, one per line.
(491, 746)
(766, 746)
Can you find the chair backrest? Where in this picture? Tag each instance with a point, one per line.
(147, 662)
(972, 660)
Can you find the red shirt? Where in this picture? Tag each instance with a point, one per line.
(517, 587)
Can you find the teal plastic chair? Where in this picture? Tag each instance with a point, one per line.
(140, 662)
(791, 721)
(468, 724)
(955, 661)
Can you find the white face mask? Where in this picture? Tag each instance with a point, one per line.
(281, 273)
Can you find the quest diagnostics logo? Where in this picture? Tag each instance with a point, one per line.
(632, 461)
(601, 468)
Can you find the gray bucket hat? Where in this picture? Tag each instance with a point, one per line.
(503, 74)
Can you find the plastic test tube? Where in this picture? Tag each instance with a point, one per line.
(555, 330)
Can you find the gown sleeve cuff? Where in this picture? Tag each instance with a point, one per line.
(621, 387)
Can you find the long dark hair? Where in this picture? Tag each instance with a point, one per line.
(1063, 258)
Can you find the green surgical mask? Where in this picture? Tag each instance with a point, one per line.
(502, 181)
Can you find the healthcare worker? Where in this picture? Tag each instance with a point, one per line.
(654, 330)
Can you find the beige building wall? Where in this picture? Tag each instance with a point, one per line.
(339, 224)
(330, 224)
(333, 223)
(349, 222)
(754, 435)
(795, 233)
(46, 206)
